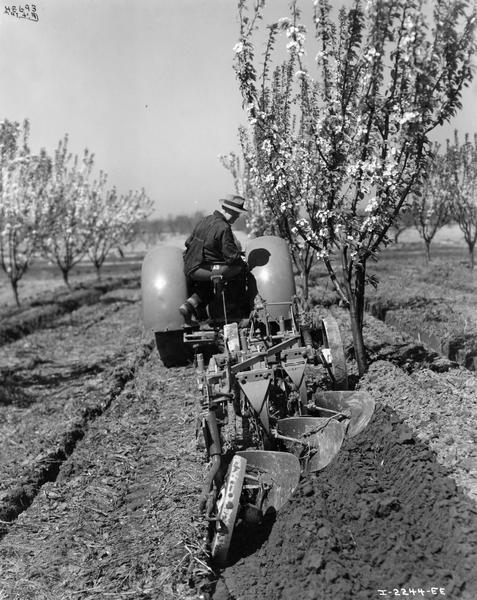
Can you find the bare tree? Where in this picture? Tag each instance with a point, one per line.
(112, 219)
(67, 192)
(431, 204)
(462, 165)
(22, 184)
(404, 221)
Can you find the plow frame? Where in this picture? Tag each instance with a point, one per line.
(269, 357)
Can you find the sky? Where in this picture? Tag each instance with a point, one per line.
(147, 86)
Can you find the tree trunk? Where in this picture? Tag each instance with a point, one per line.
(65, 273)
(356, 313)
(427, 244)
(471, 256)
(358, 341)
(304, 283)
(360, 289)
(98, 271)
(14, 283)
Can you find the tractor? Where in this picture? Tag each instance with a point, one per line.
(262, 424)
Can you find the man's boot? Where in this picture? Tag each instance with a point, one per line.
(189, 308)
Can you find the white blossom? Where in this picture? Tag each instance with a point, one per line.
(408, 117)
(238, 48)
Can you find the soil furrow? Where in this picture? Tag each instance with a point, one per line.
(436, 325)
(433, 303)
(46, 468)
(48, 376)
(41, 313)
(74, 393)
(440, 409)
(121, 520)
(385, 342)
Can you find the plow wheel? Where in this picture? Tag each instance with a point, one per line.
(334, 344)
(264, 481)
(228, 504)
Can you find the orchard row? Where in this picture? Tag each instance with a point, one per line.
(54, 207)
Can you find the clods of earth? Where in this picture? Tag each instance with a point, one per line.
(100, 476)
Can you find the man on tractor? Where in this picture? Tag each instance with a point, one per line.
(211, 256)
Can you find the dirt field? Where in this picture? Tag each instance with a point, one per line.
(435, 303)
(100, 475)
(43, 277)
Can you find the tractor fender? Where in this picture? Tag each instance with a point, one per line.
(164, 289)
(269, 261)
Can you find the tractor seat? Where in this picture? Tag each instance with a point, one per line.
(216, 271)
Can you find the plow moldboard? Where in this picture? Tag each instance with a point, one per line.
(359, 404)
(284, 470)
(323, 436)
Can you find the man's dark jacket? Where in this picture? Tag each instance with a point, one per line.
(211, 242)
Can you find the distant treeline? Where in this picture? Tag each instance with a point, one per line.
(153, 230)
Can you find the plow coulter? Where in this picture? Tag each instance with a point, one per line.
(261, 423)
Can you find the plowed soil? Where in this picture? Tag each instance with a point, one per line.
(100, 477)
(383, 515)
(435, 303)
